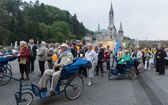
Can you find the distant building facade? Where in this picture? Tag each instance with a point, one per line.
(88, 37)
(112, 33)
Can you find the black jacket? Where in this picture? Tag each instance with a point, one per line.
(100, 54)
(33, 53)
(161, 53)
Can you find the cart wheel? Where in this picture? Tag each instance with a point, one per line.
(109, 74)
(9, 66)
(25, 99)
(62, 85)
(4, 72)
(74, 87)
(132, 73)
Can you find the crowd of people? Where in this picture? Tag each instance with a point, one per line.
(64, 54)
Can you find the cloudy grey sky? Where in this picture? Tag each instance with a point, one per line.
(142, 19)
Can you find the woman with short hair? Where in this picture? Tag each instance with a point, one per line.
(42, 57)
(24, 60)
(92, 57)
(122, 61)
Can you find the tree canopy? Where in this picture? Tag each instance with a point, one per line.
(23, 21)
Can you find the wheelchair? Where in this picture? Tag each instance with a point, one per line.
(69, 83)
(128, 71)
(6, 69)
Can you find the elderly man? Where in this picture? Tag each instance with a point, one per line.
(160, 55)
(32, 54)
(64, 59)
(137, 54)
(100, 53)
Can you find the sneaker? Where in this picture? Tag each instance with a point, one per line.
(90, 84)
(96, 74)
(102, 75)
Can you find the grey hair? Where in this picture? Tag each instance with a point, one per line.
(31, 40)
(57, 43)
(43, 43)
(23, 42)
(90, 45)
(51, 45)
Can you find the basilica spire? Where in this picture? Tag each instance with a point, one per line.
(98, 29)
(121, 28)
(111, 13)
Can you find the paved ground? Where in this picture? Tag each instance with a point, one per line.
(149, 89)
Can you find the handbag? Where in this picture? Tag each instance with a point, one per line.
(22, 60)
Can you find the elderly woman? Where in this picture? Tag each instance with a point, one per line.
(42, 57)
(24, 60)
(64, 59)
(92, 57)
(122, 61)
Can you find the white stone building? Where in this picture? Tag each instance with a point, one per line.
(112, 33)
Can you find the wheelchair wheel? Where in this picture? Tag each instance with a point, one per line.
(9, 66)
(132, 73)
(4, 73)
(74, 87)
(25, 99)
(109, 74)
(62, 85)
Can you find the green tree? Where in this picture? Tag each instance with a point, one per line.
(60, 30)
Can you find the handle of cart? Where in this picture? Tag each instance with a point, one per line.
(69, 83)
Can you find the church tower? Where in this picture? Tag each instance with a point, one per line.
(111, 27)
(99, 33)
(120, 32)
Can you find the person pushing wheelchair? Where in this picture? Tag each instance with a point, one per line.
(122, 61)
(64, 59)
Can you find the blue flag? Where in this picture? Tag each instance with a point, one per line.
(118, 45)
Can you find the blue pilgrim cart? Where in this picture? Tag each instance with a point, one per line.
(69, 83)
(129, 70)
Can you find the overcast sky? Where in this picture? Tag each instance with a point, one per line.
(142, 19)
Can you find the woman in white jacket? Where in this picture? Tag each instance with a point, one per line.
(92, 57)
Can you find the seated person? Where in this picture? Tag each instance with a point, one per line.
(64, 59)
(122, 61)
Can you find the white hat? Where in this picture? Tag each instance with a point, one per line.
(64, 45)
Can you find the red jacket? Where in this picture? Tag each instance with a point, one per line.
(106, 55)
(24, 53)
